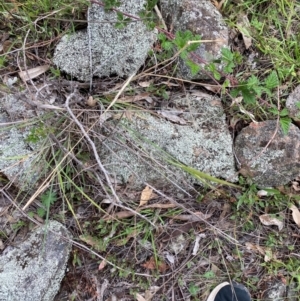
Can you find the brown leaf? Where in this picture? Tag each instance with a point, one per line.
(91, 101)
(192, 218)
(243, 26)
(102, 265)
(213, 88)
(147, 195)
(295, 214)
(269, 220)
(295, 185)
(151, 265)
(33, 73)
(145, 84)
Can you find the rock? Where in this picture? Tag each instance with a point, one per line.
(291, 104)
(19, 160)
(293, 291)
(276, 292)
(34, 269)
(200, 17)
(279, 164)
(139, 151)
(114, 51)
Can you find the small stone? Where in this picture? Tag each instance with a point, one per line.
(276, 292)
(34, 269)
(277, 164)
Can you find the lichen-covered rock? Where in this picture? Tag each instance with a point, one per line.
(34, 269)
(276, 291)
(139, 151)
(292, 104)
(202, 18)
(279, 163)
(113, 51)
(19, 159)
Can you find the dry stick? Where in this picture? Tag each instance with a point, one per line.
(160, 17)
(197, 217)
(129, 79)
(117, 201)
(75, 243)
(46, 182)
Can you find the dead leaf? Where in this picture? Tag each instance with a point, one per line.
(270, 220)
(145, 84)
(139, 297)
(33, 73)
(91, 101)
(262, 193)
(152, 265)
(296, 186)
(217, 4)
(169, 84)
(197, 245)
(269, 255)
(213, 88)
(192, 218)
(266, 252)
(243, 26)
(147, 195)
(102, 265)
(295, 214)
(172, 116)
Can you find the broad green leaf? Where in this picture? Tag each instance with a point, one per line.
(272, 81)
(285, 123)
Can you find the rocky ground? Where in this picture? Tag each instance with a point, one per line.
(136, 166)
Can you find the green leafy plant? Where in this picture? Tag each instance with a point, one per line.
(284, 119)
(253, 88)
(47, 199)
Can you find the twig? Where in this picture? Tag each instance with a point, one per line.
(197, 217)
(160, 17)
(116, 201)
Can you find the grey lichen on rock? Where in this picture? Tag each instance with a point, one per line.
(293, 104)
(20, 160)
(139, 151)
(202, 18)
(114, 51)
(272, 165)
(34, 269)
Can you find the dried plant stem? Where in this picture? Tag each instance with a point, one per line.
(116, 201)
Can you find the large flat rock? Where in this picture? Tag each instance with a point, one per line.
(113, 51)
(34, 269)
(138, 151)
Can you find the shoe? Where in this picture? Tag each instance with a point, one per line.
(229, 292)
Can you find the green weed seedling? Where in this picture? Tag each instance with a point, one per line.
(48, 199)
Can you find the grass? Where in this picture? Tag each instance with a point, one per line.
(123, 235)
